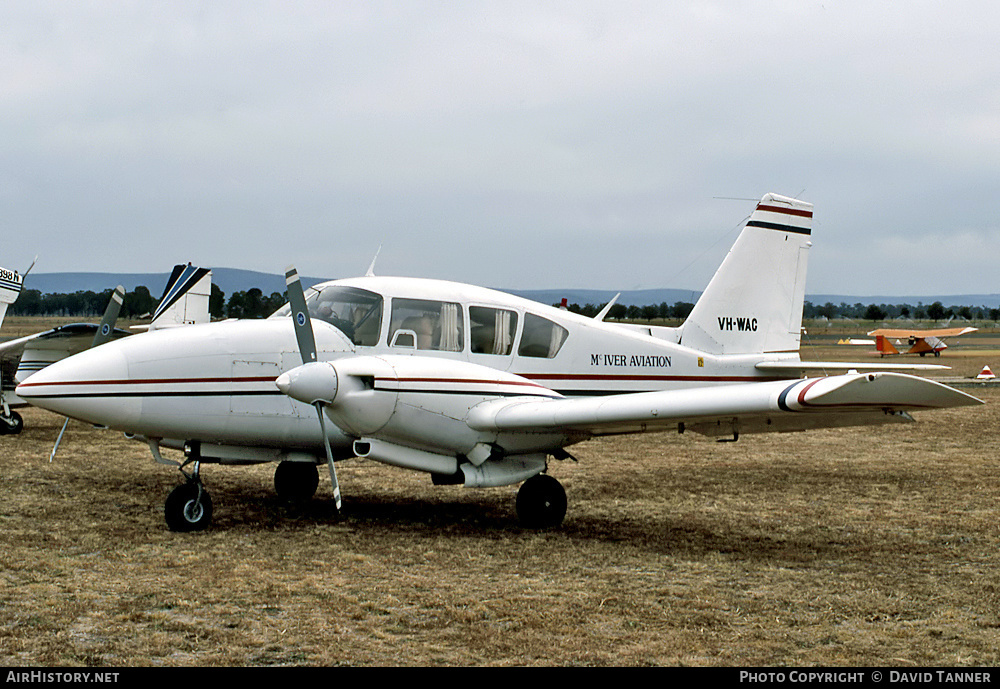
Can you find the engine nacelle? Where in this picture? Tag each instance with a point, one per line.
(504, 472)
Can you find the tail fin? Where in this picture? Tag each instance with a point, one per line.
(753, 304)
(883, 346)
(10, 288)
(185, 298)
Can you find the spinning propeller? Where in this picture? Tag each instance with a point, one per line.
(325, 376)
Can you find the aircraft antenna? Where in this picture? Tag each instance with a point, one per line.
(371, 268)
(697, 258)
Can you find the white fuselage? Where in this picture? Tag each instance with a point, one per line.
(215, 383)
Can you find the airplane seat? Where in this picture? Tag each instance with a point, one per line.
(424, 329)
(483, 338)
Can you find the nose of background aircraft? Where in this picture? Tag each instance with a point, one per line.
(87, 386)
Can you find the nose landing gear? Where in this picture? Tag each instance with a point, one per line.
(189, 506)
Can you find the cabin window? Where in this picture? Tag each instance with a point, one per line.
(491, 331)
(541, 337)
(438, 324)
(355, 312)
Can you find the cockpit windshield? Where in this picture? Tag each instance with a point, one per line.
(355, 312)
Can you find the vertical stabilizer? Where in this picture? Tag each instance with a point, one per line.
(185, 298)
(883, 346)
(753, 304)
(10, 288)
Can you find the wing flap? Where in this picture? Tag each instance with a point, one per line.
(851, 399)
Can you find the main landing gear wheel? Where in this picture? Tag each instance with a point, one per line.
(11, 425)
(295, 481)
(541, 502)
(188, 507)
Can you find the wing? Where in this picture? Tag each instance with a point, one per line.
(833, 401)
(34, 352)
(940, 332)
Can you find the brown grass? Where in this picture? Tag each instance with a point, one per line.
(872, 546)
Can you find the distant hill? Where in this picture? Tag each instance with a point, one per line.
(232, 280)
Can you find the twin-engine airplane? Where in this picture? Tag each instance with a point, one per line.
(922, 342)
(473, 386)
(184, 301)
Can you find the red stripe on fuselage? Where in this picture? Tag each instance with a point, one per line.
(647, 378)
(149, 381)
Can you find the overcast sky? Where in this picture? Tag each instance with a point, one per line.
(612, 145)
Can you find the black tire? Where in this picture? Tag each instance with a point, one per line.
(295, 481)
(188, 508)
(15, 426)
(541, 503)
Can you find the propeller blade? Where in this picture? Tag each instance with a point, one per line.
(307, 348)
(329, 456)
(107, 326)
(300, 316)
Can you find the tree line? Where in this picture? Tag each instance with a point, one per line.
(880, 312)
(867, 312)
(253, 303)
(139, 303)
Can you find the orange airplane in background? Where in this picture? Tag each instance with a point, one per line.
(921, 342)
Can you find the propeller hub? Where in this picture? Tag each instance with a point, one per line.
(310, 383)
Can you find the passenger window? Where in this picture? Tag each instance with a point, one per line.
(491, 331)
(437, 324)
(541, 337)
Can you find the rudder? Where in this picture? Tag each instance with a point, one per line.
(10, 288)
(753, 303)
(185, 298)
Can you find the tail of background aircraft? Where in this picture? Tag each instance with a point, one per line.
(185, 298)
(754, 302)
(883, 346)
(10, 288)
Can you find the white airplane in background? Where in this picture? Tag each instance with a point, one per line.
(11, 283)
(473, 386)
(10, 288)
(184, 301)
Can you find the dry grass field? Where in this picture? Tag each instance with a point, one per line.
(857, 547)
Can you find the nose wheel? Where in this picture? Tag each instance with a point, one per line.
(189, 506)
